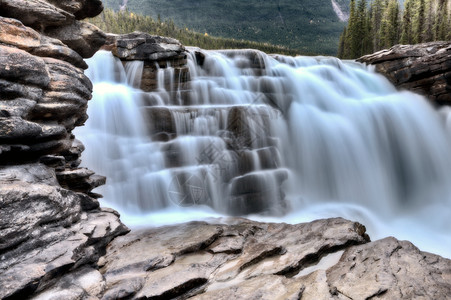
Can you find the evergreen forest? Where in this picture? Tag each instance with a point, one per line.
(125, 22)
(381, 24)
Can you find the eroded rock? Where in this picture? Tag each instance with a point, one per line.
(46, 230)
(422, 68)
(82, 37)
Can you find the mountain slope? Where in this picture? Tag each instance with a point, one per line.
(309, 26)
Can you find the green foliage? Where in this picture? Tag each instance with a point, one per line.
(383, 25)
(308, 26)
(126, 22)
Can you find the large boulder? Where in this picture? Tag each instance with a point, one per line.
(82, 37)
(423, 68)
(143, 46)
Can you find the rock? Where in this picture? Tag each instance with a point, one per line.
(80, 180)
(422, 68)
(82, 37)
(11, 90)
(18, 107)
(258, 192)
(81, 9)
(44, 230)
(143, 46)
(19, 66)
(52, 232)
(390, 269)
(16, 34)
(263, 287)
(83, 283)
(244, 259)
(17, 129)
(37, 14)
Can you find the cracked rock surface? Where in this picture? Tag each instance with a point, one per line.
(242, 259)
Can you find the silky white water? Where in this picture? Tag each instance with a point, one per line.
(335, 137)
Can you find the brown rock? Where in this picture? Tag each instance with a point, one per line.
(16, 34)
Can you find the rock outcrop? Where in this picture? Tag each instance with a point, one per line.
(423, 68)
(154, 51)
(242, 259)
(50, 222)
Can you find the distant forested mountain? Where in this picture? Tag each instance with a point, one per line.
(305, 25)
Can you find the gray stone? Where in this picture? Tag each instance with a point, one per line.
(143, 46)
(82, 37)
(422, 68)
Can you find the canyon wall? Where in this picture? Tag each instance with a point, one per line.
(50, 221)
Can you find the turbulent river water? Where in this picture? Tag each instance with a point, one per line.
(321, 138)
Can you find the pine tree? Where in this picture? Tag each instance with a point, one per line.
(377, 11)
(342, 44)
(441, 21)
(407, 34)
(428, 34)
(390, 25)
(352, 44)
(361, 28)
(419, 32)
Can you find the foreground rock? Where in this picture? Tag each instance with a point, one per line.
(46, 230)
(423, 68)
(324, 259)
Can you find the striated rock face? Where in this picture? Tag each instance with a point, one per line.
(423, 68)
(324, 259)
(50, 222)
(46, 230)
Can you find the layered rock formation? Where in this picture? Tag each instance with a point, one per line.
(242, 259)
(50, 222)
(423, 68)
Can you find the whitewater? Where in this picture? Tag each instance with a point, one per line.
(322, 138)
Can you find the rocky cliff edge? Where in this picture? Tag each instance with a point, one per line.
(50, 221)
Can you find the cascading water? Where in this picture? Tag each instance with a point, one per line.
(280, 138)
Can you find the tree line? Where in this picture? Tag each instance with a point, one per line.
(381, 24)
(125, 22)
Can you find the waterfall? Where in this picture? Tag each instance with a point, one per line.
(274, 138)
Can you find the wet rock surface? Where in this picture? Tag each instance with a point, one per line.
(423, 68)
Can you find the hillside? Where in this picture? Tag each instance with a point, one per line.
(125, 22)
(308, 26)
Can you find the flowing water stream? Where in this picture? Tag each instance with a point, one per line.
(271, 137)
